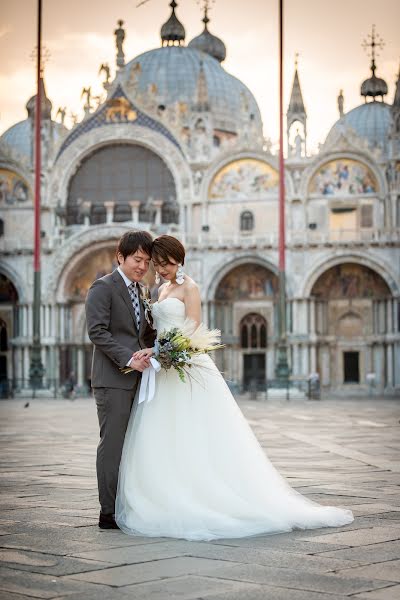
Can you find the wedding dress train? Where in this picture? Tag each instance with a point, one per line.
(192, 468)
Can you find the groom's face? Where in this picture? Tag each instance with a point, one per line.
(136, 265)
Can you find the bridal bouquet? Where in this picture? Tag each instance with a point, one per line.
(176, 347)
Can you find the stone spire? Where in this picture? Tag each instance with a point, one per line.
(296, 111)
(173, 32)
(207, 42)
(396, 101)
(202, 103)
(395, 110)
(373, 86)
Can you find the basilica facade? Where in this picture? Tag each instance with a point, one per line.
(176, 146)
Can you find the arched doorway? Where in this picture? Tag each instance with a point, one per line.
(126, 179)
(253, 341)
(354, 313)
(244, 310)
(8, 330)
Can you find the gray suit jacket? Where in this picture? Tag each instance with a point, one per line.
(112, 329)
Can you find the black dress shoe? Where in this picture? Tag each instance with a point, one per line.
(107, 522)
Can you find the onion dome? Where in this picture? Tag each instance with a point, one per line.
(172, 32)
(46, 104)
(374, 86)
(209, 43)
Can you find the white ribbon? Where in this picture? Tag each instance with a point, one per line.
(148, 382)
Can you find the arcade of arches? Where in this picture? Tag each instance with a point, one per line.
(343, 331)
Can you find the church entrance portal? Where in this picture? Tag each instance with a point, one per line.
(351, 367)
(253, 371)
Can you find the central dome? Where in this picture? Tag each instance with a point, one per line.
(172, 73)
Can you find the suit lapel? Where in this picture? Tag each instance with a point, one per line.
(123, 290)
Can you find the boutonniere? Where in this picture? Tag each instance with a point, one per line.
(148, 307)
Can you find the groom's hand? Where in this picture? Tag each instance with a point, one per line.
(139, 364)
(145, 353)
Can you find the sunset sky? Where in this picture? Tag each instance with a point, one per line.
(327, 35)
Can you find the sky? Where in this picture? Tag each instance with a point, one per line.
(327, 35)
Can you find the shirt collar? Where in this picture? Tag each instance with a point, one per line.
(125, 278)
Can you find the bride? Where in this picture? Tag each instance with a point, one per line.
(191, 467)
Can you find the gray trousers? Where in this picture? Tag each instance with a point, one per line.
(113, 411)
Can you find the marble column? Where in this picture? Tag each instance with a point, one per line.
(61, 313)
(389, 316)
(270, 367)
(389, 366)
(26, 366)
(157, 204)
(295, 360)
(21, 320)
(311, 316)
(135, 205)
(306, 362)
(86, 213)
(80, 366)
(109, 206)
(18, 364)
(29, 320)
(313, 358)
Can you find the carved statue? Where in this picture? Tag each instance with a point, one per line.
(298, 142)
(62, 112)
(104, 68)
(119, 40)
(340, 102)
(88, 93)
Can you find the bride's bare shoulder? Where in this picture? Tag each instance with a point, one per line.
(190, 284)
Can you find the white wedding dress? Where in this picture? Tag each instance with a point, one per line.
(192, 468)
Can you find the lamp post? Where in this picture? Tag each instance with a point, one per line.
(36, 368)
(282, 368)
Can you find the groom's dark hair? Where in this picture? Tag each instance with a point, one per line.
(132, 241)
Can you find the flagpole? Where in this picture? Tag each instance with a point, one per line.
(282, 366)
(36, 368)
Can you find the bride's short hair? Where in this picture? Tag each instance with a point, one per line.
(166, 247)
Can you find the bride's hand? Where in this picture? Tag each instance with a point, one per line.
(145, 353)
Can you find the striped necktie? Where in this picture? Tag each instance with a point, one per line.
(133, 292)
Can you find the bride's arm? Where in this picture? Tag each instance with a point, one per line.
(193, 303)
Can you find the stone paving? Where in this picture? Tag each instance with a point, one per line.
(338, 452)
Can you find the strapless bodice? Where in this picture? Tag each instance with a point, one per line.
(168, 313)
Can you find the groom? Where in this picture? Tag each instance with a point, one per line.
(117, 327)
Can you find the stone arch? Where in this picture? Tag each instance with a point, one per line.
(14, 277)
(226, 159)
(326, 263)
(119, 173)
(70, 254)
(324, 159)
(216, 276)
(70, 160)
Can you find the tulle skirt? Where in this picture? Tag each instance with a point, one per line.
(192, 468)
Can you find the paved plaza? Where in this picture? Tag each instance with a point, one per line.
(338, 452)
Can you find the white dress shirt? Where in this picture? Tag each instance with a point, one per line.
(127, 282)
